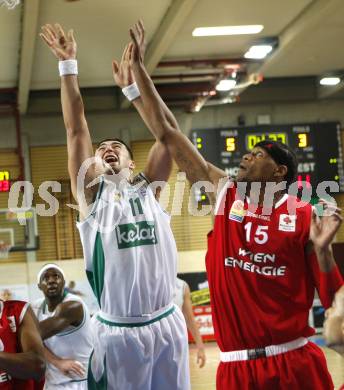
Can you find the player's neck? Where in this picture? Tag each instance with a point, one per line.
(53, 302)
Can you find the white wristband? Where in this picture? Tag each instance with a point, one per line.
(131, 92)
(68, 67)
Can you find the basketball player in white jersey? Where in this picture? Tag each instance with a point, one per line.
(64, 323)
(182, 298)
(129, 248)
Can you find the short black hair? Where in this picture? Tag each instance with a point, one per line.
(121, 142)
(282, 155)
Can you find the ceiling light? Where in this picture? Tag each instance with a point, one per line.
(225, 85)
(227, 30)
(258, 52)
(330, 81)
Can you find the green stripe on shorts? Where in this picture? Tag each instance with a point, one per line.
(135, 325)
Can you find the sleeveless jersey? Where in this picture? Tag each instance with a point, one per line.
(11, 316)
(179, 292)
(261, 281)
(72, 343)
(129, 250)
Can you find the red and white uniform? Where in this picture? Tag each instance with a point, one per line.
(262, 287)
(11, 316)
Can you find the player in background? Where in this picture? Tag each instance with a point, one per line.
(129, 249)
(64, 324)
(262, 268)
(182, 298)
(21, 349)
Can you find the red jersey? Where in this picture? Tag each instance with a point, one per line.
(261, 281)
(11, 316)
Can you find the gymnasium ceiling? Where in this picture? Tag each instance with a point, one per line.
(185, 68)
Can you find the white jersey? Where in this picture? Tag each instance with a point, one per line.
(129, 249)
(73, 343)
(179, 292)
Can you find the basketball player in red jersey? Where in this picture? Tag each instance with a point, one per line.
(21, 348)
(262, 268)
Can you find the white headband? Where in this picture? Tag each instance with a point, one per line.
(48, 266)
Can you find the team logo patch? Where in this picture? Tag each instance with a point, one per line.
(237, 212)
(136, 234)
(287, 223)
(117, 196)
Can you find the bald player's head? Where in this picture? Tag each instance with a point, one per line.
(334, 323)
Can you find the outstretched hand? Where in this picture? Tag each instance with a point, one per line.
(62, 46)
(122, 72)
(137, 34)
(323, 229)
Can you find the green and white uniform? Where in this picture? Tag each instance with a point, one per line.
(131, 259)
(73, 343)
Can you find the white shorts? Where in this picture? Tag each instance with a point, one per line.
(151, 355)
(77, 385)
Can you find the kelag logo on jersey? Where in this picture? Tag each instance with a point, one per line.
(136, 234)
(237, 212)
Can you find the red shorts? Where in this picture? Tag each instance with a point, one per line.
(302, 369)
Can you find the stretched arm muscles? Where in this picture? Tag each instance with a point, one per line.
(159, 164)
(28, 364)
(79, 144)
(67, 313)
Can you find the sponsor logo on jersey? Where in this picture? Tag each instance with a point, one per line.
(237, 212)
(4, 377)
(2, 347)
(117, 196)
(136, 234)
(287, 223)
(12, 323)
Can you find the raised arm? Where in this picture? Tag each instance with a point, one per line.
(79, 143)
(159, 162)
(66, 314)
(30, 363)
(323, 268)
(163, 124)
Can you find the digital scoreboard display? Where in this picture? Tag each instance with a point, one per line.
(317, 147)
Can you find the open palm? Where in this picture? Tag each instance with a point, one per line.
(63, 46)
(324, 229)
(122, 72)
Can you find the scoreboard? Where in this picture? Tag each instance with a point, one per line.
(317, 147)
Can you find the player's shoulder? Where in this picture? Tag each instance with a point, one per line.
(14, 304)
(15, 308)
(70, 297)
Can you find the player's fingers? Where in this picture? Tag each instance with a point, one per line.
(115, 66)
(130, 51)
(124, 53)
(48, 32)
(202, 362)
(134, 37)
(60, 33)
(71, 36)
(142, 27)
(45, 39)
